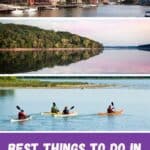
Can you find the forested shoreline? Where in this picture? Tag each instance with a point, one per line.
(23, 36)
(27, 48)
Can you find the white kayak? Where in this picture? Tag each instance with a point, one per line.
(115, 113)
(20, 120)
(71, 114)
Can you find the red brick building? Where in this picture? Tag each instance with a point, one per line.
(31, 2)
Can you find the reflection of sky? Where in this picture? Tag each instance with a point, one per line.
(110, 61)
(108, 31)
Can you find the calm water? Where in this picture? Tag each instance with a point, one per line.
(101, 11)
(87, 102)
(110, 61)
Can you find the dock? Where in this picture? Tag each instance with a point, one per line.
(5, 9)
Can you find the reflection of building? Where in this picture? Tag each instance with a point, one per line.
(13, 1)
(93, 1)
(145, 2)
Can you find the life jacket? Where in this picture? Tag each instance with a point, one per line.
(109, 110)
(21, 115)
(65, 111)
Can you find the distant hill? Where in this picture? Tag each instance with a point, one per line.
(23, 36)
(144, 47)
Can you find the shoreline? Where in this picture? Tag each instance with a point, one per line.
(13, 82)
(87, 86)
(46, 49)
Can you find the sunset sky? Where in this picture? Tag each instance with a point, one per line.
(107, 31)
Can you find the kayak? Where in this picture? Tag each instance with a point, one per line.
(60, 114)
(20, 120)
(66, 115)
(49, 113)
(117, 112)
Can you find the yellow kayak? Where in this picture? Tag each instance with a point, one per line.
(59, 114)
(115, 113)
(49, 113)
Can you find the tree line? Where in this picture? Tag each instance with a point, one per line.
(23, 36)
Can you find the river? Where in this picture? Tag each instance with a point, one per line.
(87, 102)
(100, 11)
(123, 61)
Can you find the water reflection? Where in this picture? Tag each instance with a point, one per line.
(6, 92)
(24, 61)
(110, 61)
(100, 11)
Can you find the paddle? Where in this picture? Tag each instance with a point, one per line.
(18, 107)
(72, 107)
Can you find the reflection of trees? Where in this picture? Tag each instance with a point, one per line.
(7, 92)
(24, 61)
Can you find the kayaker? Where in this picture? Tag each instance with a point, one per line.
(22, 115)
(54, 108)
(66, 110)
(109, 109)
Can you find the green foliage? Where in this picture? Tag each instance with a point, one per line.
(22, 36)
(8, 78)
(24, 61)
(34, 83)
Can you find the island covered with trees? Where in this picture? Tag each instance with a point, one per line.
(26, 48)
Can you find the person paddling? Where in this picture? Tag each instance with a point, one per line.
(54, 108)
(66, 111)
(22, 115)
(109, 109)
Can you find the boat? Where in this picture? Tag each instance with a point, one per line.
(20, 120)
(51, 8)
(115, 113)
(72, 114)
(106, 2)
(17, 12)
(48, 113)
(88, 6)
(59, 114)
(147, 14)
(30, 10)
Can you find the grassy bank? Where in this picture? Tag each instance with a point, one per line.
(15, 82)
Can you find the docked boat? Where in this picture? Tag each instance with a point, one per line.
(147, 14)
(30, 10)
(17, 11)
(88, 5)
(51, 8)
